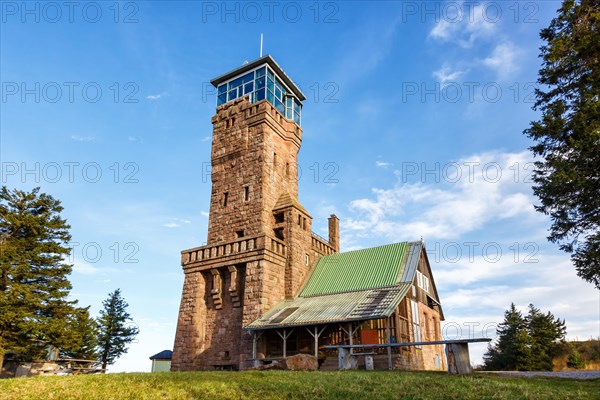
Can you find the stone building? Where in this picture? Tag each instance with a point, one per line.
(264, 286)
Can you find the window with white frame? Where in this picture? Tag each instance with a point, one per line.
(414, 307)
(422, 281)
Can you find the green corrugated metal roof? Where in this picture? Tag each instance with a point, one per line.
(357, 270)
(354, 286)
(339, 307)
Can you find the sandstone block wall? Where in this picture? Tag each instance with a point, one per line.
(255, 256)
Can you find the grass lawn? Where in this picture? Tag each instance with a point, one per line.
(356, 385)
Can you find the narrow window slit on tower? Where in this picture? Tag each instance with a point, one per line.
(225, 196)
(278, 233)
(287, 169)
(278, 218)
(274, 161)
(247, 193)
(240, 233)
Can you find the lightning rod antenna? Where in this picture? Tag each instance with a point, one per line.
(261, 44)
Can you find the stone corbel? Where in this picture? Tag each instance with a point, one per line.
(233, 290)
(216, 289)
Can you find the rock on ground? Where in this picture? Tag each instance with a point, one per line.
(301, 362)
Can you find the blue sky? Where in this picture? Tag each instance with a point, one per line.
(412, 128)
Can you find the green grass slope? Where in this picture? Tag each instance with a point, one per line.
(297, 385)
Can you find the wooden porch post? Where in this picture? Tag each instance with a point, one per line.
(316, 336)
(254, 349)
(316, 342)
(350, 334)
(389, 349)
(255, 337)
(284, 337)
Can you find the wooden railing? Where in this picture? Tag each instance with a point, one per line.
(457, 353)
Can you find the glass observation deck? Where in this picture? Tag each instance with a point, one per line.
(259, 80)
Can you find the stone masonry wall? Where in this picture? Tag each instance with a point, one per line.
(253, 147)
(189, 339)
(254, 164)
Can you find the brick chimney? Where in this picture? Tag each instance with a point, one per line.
(334, 232)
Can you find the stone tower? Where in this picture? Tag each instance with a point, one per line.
(260, 245)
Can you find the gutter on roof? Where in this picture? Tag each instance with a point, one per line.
(280, 326)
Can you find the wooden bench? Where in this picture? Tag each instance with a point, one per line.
(457, 353)
(78, 366)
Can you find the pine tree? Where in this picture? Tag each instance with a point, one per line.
(566, 179)
(34, 281)
(115, 331)
(511, 352)
(575, 360)
(545, 331)
(525, 344)
(85, 341)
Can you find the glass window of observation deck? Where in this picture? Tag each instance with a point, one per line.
(258, 85)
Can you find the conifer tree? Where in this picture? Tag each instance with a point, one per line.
(85, 341)
(512, 350)
(567, 137)
(525, 343)
(115, 330)
(575, 360)
(34, 281)
(545, 331)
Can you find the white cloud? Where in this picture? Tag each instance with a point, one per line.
(503, 60)
(156, 96)
(465, 26)
(135, 139)
(204, 213)
(566, 297)
(383, 164)
(474, 297)
(473, 191)
(84, 268)
(446, 75)
(83, 138)
(206, 138)
(176, 223)
(444, 30)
